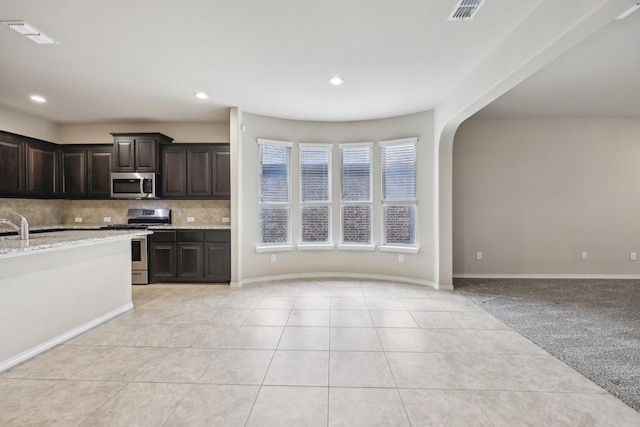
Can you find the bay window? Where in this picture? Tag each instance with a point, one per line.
(398, 162)
(356, 196)
(274, 201)
(315, 196)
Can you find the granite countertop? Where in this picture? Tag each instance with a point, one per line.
(191, 227)
(12, 245)
(79, 226)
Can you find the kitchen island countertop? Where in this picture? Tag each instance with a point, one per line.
(12, 245)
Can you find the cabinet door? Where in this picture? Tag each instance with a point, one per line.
(222, 175)
(162, 262)
(74, 172)
(190, 261)
(217, 262)
(42, 170)
(174, 172)
(145, 155)
(99, 165)
(11, 168)
(123, 154)
(199, 172)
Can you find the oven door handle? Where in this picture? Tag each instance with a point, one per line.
(142, 186)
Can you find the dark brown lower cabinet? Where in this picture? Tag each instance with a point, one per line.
(190, 256)
(217, 262)
(190, 262)
(162, 261)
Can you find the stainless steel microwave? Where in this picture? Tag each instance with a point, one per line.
(135, 185)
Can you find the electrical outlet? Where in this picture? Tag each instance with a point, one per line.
(273, 257)
(191, 219)
(633, 256)
(78, 219)
(226, 219)
(107, 219)
(583, 256)
(479, 256)
(400, 257)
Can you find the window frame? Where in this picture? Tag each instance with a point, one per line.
(275, 246)
(328, 203)
(387, 202)
(358, 246)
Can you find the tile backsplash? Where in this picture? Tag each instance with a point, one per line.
(37, 212)
(92, 212)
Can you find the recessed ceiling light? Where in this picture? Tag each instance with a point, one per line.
(38, 98)
(336, 81)
(30, 32)
(201, 95)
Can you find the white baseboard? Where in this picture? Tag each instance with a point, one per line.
(348, 276)
(549, 276)
(6, 364)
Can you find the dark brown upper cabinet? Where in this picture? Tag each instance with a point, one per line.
(42, 169)
(174, 171)
(11, 166)
(99, 166)
(137, 152)
(199, 172)
(195, 171)
(28, 167)
(222, 174)
(86, 171)
(74, 172)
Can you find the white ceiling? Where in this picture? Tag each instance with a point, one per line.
(598, 77)
(142, 60)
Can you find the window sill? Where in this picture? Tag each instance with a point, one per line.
(356, 247)
(319, 247)
(401, 249)
(280, 248)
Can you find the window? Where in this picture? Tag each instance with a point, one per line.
(274, 192)
(355, 194)
(315, 195)
(399, 192)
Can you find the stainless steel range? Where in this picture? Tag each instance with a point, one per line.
(141, 219)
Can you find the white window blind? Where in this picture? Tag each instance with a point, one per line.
(314, 174)
(355, 193)
(399, 191)
(315, 194)
(274, 192)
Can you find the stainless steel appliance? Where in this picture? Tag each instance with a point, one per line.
(135, 185)
(141, 219)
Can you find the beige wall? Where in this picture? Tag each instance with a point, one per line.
(28, 125)
(532, 194)
(100, 133)
(418, 267)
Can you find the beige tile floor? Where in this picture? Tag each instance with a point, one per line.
(312, 353)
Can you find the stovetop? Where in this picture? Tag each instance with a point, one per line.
(127, 226)
(141, 219)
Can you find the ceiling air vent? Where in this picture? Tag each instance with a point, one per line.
(30, 32)
(465, 10)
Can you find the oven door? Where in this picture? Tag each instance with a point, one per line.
(139, 275)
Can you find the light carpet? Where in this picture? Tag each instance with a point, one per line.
(591, 325)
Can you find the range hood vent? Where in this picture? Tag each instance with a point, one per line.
(465, 10)
(30, 32)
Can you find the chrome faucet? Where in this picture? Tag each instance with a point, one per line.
(23, 229)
